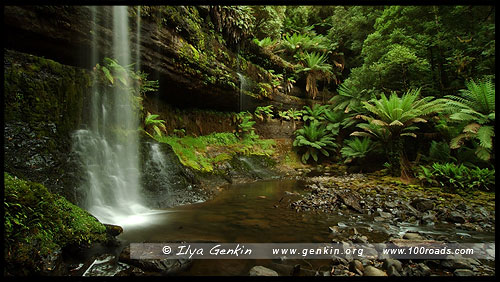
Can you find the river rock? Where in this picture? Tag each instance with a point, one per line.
(392, 263)
(410, 211)
(372, 271)
(423, 204)
(392, 271)
(463, 272)
(262, 271)
(356, 266)
(350, 199)
(52, 263)
(429, 218)
(459, 263)
(131, 271)
(383, 214)
(334, 229)
(455, 217)
(421, 270)
(113, 230)
(412, 236)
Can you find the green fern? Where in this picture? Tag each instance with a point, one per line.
(263, 112)
(458, 178)
(349, 99)
(357, 148)
(336, 120)
(313, 114)
(440, 152)
(157, 125)
(395, 117)
(475, 107)
(315, 139)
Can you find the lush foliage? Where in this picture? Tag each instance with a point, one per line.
(235, 22)
(395, 117)
(38, 223)
(316, 69)
(263, 112)
(157, 125)
(475, 108)
(314, 113)
(458, 177)
(357, 148)
(444, 47)
(314, 138)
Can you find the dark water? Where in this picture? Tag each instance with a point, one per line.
(260, 213)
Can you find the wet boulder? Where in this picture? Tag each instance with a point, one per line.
(423, 204)
(373, 271)
(262, 271)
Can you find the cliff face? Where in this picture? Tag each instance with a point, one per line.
(178, 47)
(47, 82)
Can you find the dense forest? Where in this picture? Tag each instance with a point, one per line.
(247, 124)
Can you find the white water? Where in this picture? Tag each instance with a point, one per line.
(157, 157)
(243, 86)
(138, 40)
(109, 146)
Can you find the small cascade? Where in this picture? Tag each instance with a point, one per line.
(256, 169)
(243, 87)
(157, 157)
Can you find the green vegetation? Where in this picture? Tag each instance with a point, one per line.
(475, 108)
(316, 69)
(357, 148)
(204, 153)
(38, 223)
(263, 113)
(458, 178)
(396, 117)
(313, 114)
(314, 138)
(157, 125)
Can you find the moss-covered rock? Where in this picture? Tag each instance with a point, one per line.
(38, 90)
(44, 104)
(38, 224)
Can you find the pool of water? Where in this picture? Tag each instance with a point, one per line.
(259, 212)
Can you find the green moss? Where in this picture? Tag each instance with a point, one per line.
(203, 153)
(37, 223)
(40, 91)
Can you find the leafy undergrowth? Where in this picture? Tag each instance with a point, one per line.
(204, 153)
(39, 223)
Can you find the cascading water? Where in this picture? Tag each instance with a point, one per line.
(243, 86)
(108, 146)
(138, 40)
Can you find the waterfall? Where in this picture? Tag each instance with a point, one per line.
(109, 144)
(243, 86)
(138, 40)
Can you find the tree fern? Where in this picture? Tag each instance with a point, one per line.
(348, 99)
(394, 117)
(316, 68)
(475, 107)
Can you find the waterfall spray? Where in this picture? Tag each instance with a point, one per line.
(109, 146)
